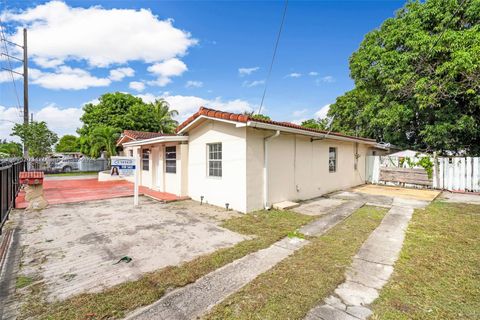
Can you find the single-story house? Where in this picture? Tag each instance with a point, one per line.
(247, 164)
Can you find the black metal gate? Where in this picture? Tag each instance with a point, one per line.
(9, 186)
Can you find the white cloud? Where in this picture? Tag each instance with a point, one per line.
(326, 79)
(67, 78)
(99, 36)
(165, 70)
(322, 113)
(8, 118)
(313, 73)
(293, 75)
(247, 71)
(254, 83)
(120, 73)
(299, 113)
(194, 84)
(187, 105)
(62, 121)
(137, 86)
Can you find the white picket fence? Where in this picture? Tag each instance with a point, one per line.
(453, 173)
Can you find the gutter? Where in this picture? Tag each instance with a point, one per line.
(321, 135)
(265, 168)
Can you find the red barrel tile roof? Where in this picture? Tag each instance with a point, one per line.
(245, 118)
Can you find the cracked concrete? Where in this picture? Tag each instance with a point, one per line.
(196, 299)
(372, 266)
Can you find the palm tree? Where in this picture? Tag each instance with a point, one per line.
(165, 116)
(104, 138)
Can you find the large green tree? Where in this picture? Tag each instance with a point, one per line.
(417, 79)
(124, 111)
(68, 143)
(37, 137)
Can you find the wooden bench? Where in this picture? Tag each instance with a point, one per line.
(405, 175)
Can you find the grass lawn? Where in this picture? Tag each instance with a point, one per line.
(438, 273)
(298, 283)
(72, 173)
(267, 227)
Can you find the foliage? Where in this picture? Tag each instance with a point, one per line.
(125, 112)
(68, 143)
(102, 138)
(36, 137)
(257, 116)
(424, 162)
(318, 124)
(10, 149)
(417, 79)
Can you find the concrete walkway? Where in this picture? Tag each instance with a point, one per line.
(371, 268)
(196, 299)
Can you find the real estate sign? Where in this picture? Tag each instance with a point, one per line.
(122, 166)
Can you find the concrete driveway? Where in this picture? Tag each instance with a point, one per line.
(73, 248)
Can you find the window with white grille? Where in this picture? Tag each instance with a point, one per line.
(214, 159)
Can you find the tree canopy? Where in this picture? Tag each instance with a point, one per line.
(68, 143)
(36, 137)
(417, 79)
(121, 111)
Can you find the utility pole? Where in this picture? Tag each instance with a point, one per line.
(25, 86)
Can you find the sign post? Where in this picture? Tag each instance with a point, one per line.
(135, 189)
(126, 167)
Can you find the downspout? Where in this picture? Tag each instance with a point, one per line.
(265, 168)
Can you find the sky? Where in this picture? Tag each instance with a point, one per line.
(191, 53)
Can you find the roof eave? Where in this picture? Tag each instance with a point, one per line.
(156, 140)
(268, 126)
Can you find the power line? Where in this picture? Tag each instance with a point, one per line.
(10, 69)
(274, 54)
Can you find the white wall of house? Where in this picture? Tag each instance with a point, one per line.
(298, 167)
(231, 187)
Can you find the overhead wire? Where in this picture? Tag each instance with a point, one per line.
(274, 55)
(3, 39)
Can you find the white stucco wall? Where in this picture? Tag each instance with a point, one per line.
(298, 168)
(231, 187)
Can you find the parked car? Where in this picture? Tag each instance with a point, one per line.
(67, 165)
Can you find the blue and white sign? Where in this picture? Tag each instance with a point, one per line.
(122, 166)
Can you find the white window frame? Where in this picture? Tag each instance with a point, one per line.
(146, 159)
(216, 160)
(335, 159)
(171, 160)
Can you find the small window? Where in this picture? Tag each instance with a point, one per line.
(145, 159)
(215, 159)
(131, 153)
(332, 159)
(171, 159)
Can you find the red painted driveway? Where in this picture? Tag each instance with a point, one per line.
(79, 190)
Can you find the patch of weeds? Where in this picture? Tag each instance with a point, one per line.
(23, 281)
(266, 227)
(437, 274)
(295, 234)
(298, 283)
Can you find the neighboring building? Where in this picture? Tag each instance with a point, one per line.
(249, 164)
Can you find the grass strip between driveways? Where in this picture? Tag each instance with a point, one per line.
(297, 284)
(267, 227)
(438, 273)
